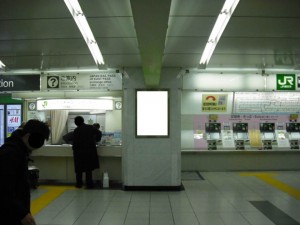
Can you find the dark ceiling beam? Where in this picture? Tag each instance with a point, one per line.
(151, 23)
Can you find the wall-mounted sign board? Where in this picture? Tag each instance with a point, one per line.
(75, 104)
(96, 81)
(9, 83)
(266, 102)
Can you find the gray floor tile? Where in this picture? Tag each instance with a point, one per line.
(222, 198)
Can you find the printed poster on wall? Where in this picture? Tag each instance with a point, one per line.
(13, 118)
(214, 102)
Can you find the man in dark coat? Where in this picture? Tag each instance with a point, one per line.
(85, 151)
(14, 187)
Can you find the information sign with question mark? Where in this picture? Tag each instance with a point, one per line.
(52, 81)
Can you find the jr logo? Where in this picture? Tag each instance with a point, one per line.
(286, 82)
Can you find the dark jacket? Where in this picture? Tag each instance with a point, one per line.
(84, 148)
(68, 137)
(14, 186)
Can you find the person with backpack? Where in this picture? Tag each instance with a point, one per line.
(15, 187)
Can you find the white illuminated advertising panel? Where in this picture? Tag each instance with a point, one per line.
(152, 118)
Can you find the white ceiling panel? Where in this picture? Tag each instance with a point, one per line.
(112, 27)
(248, 45)
(268, 8)
(32, 9)
(181, 60)
(44, 46)
(38, 29)
(42, 35)
(190, 26)
(117, 45)
(106, 8)
(263, 27)
(201, 8)
(185, 45)
(236, 60)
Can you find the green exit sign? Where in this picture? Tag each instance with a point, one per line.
(286, 82)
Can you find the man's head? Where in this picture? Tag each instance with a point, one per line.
(79, 120)
(97, 125)
(35, 133)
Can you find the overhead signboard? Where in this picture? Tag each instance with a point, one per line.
(95, 81)
(75, 104)
(9, 83)
(286, 82)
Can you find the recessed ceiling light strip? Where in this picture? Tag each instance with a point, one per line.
(222, 20)
(2, 65)
(80, 19)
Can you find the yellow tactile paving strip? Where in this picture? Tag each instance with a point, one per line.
(269, 178)
(52, 193)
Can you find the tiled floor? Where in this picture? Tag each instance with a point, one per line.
(222, 198)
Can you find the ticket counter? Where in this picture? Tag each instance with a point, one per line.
(56, 163)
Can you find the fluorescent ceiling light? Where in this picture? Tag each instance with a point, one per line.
(222, 20)
(2, 66)
(80, 19)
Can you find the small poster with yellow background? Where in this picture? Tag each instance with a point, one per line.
(214, 102)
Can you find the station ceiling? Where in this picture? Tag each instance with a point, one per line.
(149, 34)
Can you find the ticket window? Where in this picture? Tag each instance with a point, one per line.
(240, 132)
(267, 131)
(213, 134)
(293, 130)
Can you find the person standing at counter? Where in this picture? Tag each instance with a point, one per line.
(85, 151)
(15, 187)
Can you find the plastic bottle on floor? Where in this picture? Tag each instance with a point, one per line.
(105, 180)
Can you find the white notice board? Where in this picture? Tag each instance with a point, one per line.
(266, 102)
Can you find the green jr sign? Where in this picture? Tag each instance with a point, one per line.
(286, 82)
